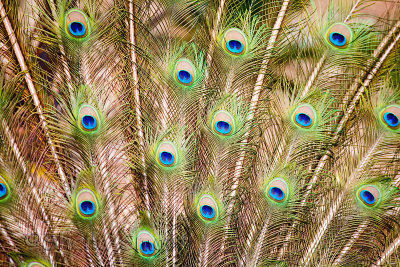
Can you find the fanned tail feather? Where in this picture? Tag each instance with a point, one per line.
(199, 133)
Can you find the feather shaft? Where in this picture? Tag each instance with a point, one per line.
(88, 255)
(388, 252)
(213, 38)
(384, 43)
(110, 253)
(111, 207)
(260, 241)
(321, 62)
(353, 238)
(214, 32)
(5, 234)
(18, 53)
(165, 208)
(248, 243)
(307, 257)
(136, 95)
(257, 88)
(253, 105)
(100, 259)
(62, 50)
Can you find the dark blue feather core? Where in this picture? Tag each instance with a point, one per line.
(87, 207)
(367, 197)
(147, 248)
(223, 127)
(337, 39)
(76, 28)
(303, 119)
(235, 46)
(276, 193)
(207, 212)
(391, 119)
(185, 76)
(89, 122)
(167, 158)
(3, 190)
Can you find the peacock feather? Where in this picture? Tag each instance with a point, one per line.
(199, 133)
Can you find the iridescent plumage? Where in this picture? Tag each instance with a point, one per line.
(199, 133)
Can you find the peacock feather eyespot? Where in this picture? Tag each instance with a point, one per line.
(4, 190)
(167, 155)
(86, 204)
(235, 42)
(304, 116)
(184, 72)
(207, 208)
(35, 263)
(339, 35)
(390, 117)
(369, 195)
(77, 24)
(146, 244)
(223, 123)
(88, 118)
(277, 190)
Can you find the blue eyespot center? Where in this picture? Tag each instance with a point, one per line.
(166, 158)
(3, 190)
(147, 247)
(367, 197)
(303, 119)
(207, 212)
(184, 76)
(235, 46)
(87, 207)
(337, 39)
(77, 28)
(391, 119)
(89, 122)
(223, 127)
(276, 193)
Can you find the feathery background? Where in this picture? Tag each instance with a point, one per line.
(199, 133)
